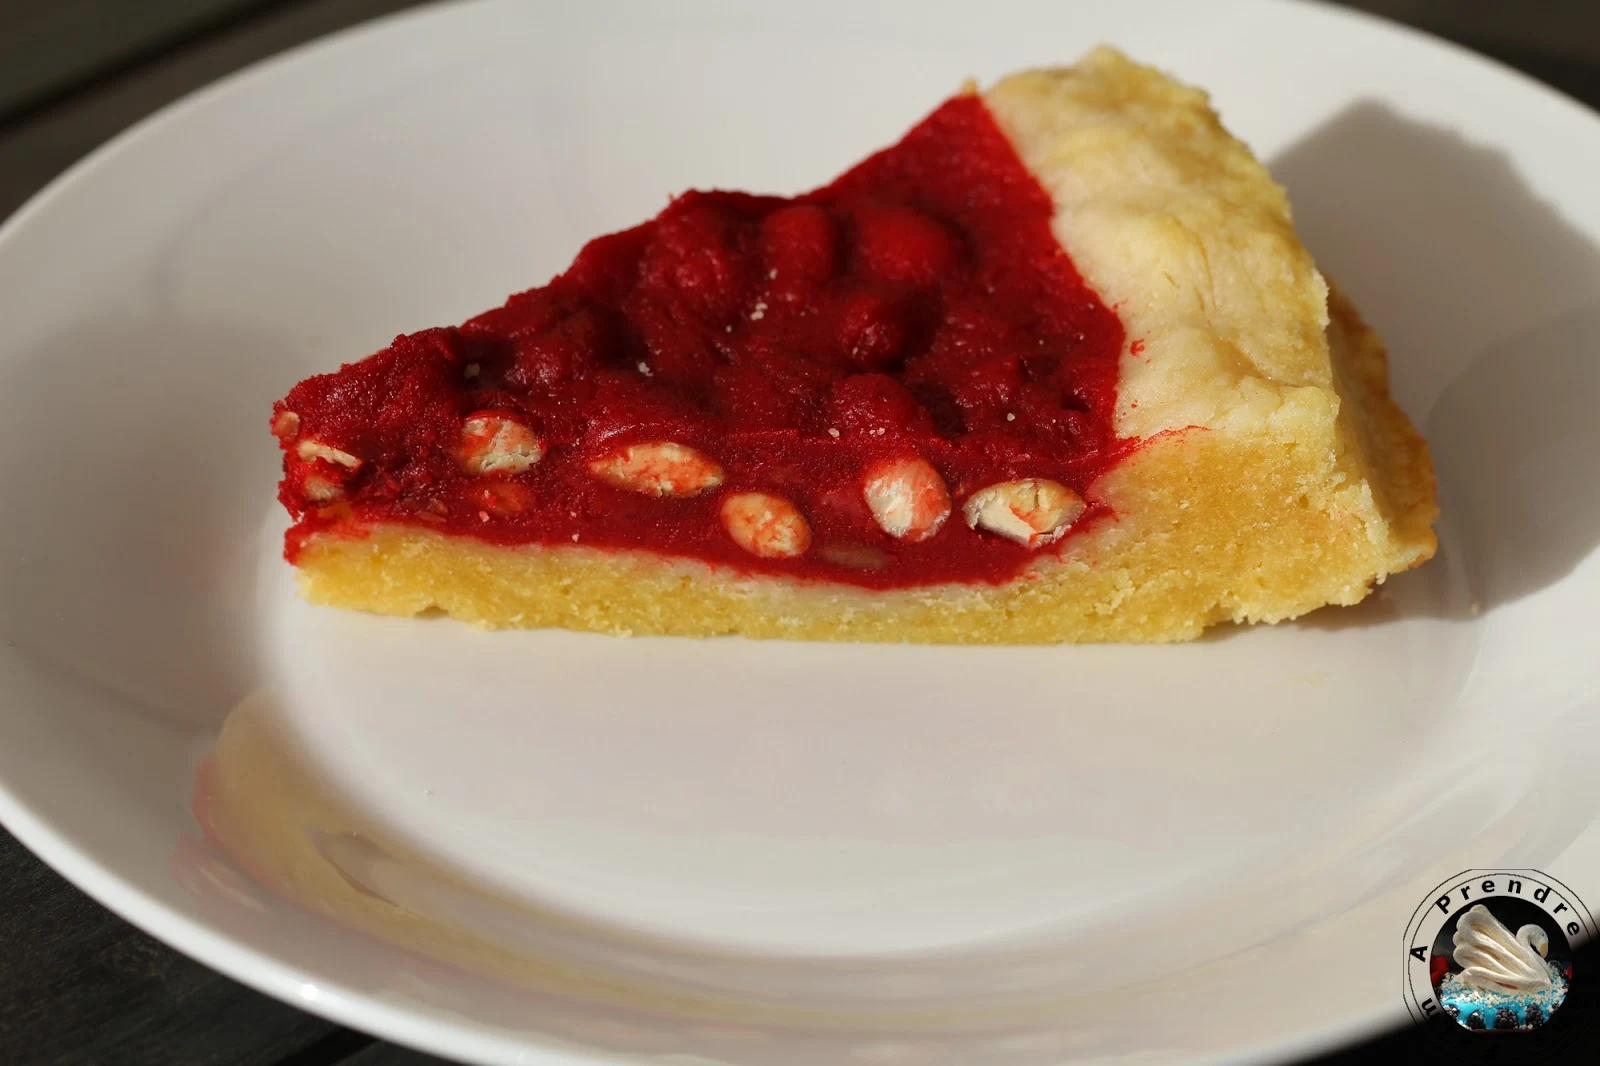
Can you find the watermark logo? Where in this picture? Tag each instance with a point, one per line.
(1493, 950)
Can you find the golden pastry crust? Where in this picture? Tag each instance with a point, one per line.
(1276, 475)
(1174, 224)
(1230, 327)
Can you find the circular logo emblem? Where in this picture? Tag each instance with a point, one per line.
(1492, 950)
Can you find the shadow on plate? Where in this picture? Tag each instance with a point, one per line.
(136, 457)
(1490, 302)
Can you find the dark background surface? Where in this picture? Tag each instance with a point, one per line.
(79, 985)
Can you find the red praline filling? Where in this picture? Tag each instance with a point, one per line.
(916, 311)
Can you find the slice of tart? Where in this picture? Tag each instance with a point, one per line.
(1054, 367)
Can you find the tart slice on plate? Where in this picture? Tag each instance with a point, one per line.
(1054, 367)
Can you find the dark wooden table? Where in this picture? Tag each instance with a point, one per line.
(77, 984)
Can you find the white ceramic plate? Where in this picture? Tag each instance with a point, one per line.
(763, 854)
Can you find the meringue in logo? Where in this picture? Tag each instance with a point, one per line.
(1492, 949)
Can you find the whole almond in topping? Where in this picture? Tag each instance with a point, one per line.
(318, 488)
(286, 425)
(1033, 512)
(907, 497)
(309, 449)
(766, 526)
(659, 468)
(493, 442)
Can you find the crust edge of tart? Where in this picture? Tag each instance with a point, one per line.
(1177, 226)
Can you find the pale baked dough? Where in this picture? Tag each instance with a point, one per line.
(1277, 477)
